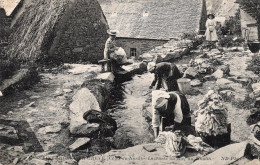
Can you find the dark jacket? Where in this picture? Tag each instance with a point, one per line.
(162, 71)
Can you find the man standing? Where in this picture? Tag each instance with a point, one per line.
(165, 74)
(174, 107)
(110, 46)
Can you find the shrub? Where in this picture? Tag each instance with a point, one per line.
(7, 68)
(189, 36)
(254, 65)
(232, 26)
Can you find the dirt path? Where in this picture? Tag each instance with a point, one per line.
(45, 108)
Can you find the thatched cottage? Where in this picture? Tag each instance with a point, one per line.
(250, 19)
(145, 24)
(8, 9)
(58, 31)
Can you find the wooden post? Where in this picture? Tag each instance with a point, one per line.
(162, 128)
(106, 65)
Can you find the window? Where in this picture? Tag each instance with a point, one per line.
(133, 52)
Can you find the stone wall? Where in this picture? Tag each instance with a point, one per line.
(141, 45)
(245, 20)
(80, 35)
(5, 23)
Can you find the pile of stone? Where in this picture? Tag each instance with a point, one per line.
(172, 50)
(212, 116)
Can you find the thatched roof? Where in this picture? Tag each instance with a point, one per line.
(152, 19)
(9, 5)
(251, 7)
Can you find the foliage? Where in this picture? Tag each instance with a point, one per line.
(7, 68)
(189, 36)
(232, 26)
(254, 65)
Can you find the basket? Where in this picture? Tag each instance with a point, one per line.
(184, 85)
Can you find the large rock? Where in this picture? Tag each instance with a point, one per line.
(191, 72)
(83, 101)
(196, 83)
(106, 76)
(50, 129)
(108, 125)
(101, 89)
(218, 74)
(225, 155)
(79, 143)
(38, 162)
(256, 87)
(23, 79)
(147, 57)
(8, 132)
(223, 81)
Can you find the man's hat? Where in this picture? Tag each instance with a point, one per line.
(111, 32)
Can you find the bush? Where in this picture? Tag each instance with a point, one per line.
(8, 68)
(254, 65)
(230, 41)
(189, 36)
(232, 26)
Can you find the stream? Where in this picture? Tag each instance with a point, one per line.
(125, 107)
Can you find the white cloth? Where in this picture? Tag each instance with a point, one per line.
(176, 110)
(211, 33)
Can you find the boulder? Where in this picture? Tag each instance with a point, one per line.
(253, 162)
(218, 74)
(209, 78)
(223, 81)
(215, 51)
(196, 83)
(225, 155)
(8, 132)
(256, 86)
(83, 101)
(147, 56)
(101, 90)
(50, 129)
(225, 69)
(69, 162)
(38, 162)
(24, 78)
(85, 130)
(106, 76)
(191, 72)
(79, 143)
(107, 124)
(170, 56)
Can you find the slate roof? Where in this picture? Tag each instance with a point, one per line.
(152, 19)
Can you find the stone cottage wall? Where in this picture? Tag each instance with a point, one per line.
(141, 45)
(245, 20)
(80, 35)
